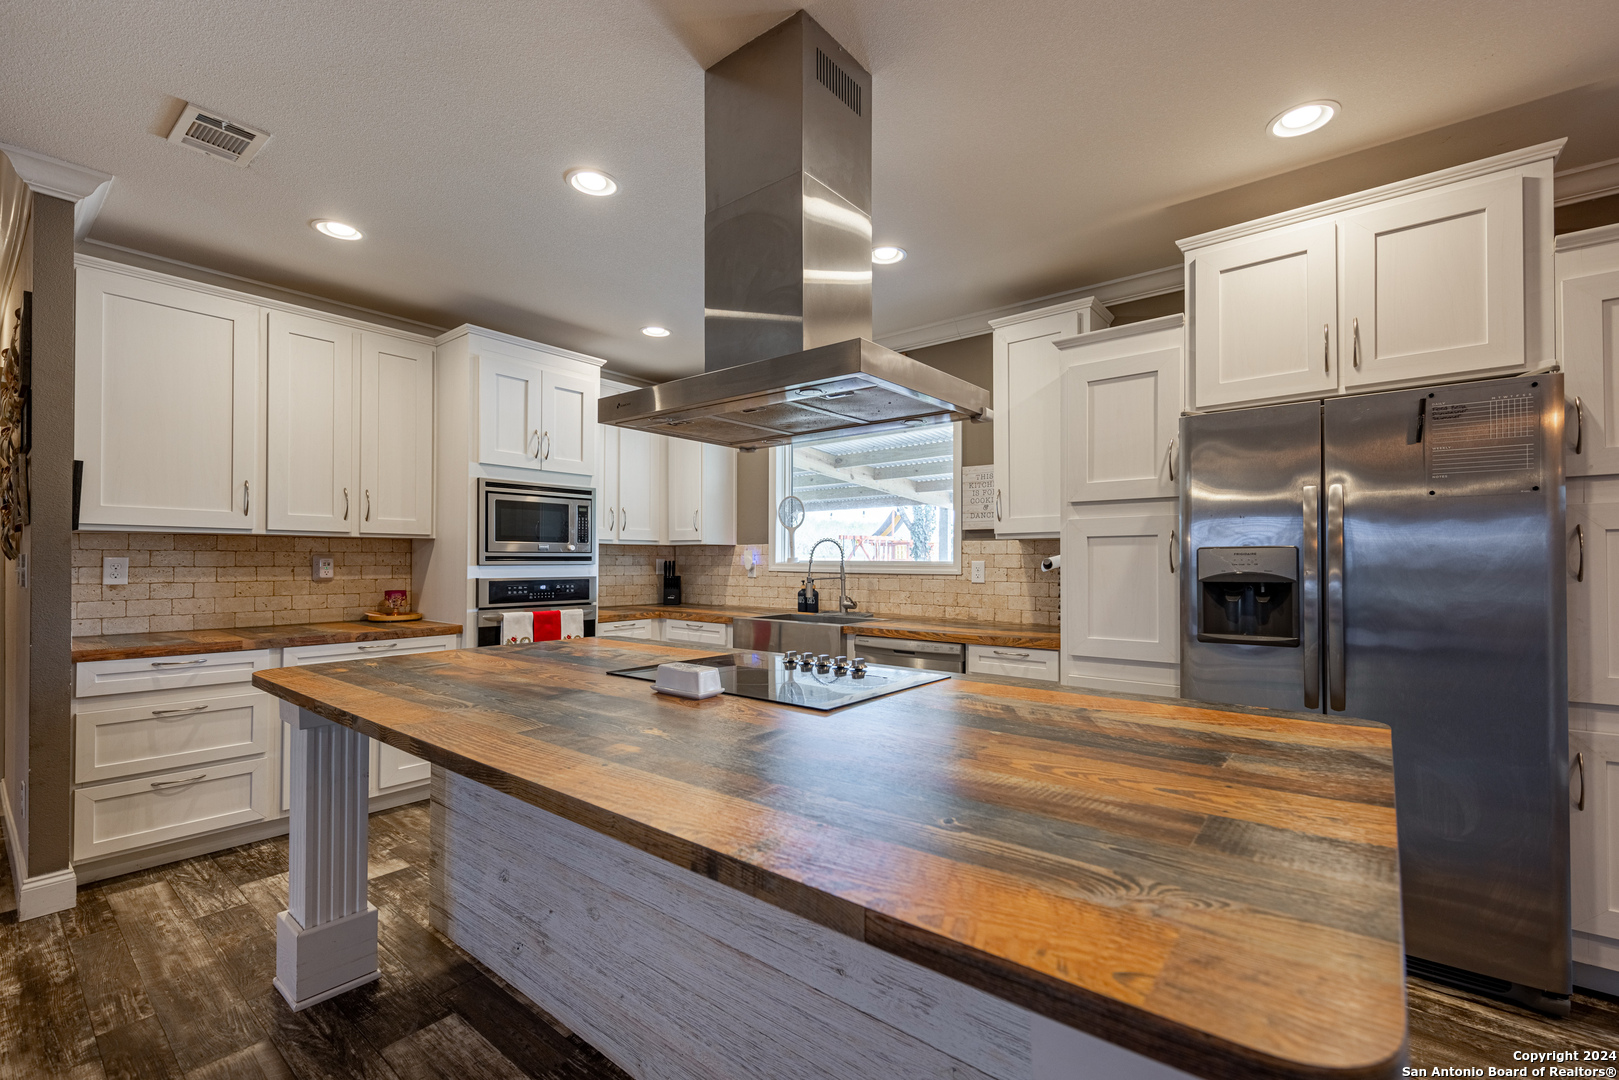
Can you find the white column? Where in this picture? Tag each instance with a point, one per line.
(326, 940)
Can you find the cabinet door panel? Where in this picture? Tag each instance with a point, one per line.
(167, 403)
(1593, 613)
(606, 484)
(509, 411)
(397, 769)
(685, 490)
(640, 486)
(1594, 832)
(1262, 313)
(1119, 421)
(396, 436)
(1589, 347)
(1029, 408)
(1120, 598)
(312, 426)
(1434, 283)
(569, 419)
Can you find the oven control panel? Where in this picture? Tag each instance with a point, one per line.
(521, 591)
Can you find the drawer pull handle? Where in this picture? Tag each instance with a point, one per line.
(173, 712)
(1579, 763)
(1014, 655)
(159, 785)
(179, 663)
(384, 645)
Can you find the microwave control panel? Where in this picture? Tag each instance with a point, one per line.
(583, 528)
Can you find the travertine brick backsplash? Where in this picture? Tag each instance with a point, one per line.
(1014, 589)
(200, 581)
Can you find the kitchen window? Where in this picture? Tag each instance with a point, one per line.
(888, 498)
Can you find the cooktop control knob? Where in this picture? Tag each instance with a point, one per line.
(859, 667)
(841, 665)
(824, 662)
(790, 658)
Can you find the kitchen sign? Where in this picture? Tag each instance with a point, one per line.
(978, 497)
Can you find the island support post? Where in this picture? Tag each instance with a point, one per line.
(326, 940)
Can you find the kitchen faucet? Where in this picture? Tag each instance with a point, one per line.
(845, 602)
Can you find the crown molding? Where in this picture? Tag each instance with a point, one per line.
(1586, 182)
(85, 188)
(1113, 333)
(1602, 234)
(1085, 303)
(466, 329)
(1529, 155)
(1166, 279)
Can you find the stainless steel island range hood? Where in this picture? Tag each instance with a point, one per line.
(787, 264)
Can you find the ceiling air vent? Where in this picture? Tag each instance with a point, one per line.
(835, 79)
(210, 133)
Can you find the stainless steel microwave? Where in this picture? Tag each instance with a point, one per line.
(534, 523)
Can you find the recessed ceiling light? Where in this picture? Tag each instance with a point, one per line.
(886, 254)
(591, 181)
(1303, 119)
(337, 230)
(655, 331)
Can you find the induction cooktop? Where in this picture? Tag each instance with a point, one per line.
(768, 676)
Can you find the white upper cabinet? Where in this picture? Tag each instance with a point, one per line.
(641, 471)
(1121, 404)
(312, 425)
(1443, 277)
(1028, 413)
(1265, 309)
(396, 436)
(167, 404)
(701, 493)
(535, 410)
(1593, 603)
(1433, 285)
(1588, 343)
(1120, 598)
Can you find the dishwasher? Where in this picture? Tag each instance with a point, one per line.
(898, 652)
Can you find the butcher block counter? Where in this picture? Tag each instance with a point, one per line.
(961, 631)
(1214, 889)
(245, 638)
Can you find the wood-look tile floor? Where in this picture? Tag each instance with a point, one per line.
(166, 974)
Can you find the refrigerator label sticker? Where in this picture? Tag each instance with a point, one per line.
(1490, 445)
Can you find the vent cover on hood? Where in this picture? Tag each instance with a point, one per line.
(787, 264)
(210, 133)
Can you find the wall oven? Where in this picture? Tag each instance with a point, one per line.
(499, 595)
(534, 523)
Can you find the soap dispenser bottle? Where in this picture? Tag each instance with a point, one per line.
(809, 598)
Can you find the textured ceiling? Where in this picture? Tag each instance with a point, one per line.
(1021, 146)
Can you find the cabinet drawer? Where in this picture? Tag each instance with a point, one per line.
(698, 633)
(1019, 663)
(98, 677)
(300, 655)
(126, 814)
(170, 731)
(634, 628)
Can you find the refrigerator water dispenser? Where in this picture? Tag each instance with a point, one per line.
(1246, 596)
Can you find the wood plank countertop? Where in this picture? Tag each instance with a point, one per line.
(961, 631)
(243, 638)
(1216, 888)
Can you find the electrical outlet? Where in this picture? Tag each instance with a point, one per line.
(323, 567)
(115, 570)
(978, 571)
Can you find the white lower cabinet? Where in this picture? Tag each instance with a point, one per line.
(1040, 664)
(1121, 599)
(129, 814)
(697, 633)
(637, 629)
(1593, 829)
(164, 731)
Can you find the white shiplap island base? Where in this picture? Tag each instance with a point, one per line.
(677, 977)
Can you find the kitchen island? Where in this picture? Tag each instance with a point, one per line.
(977, 877)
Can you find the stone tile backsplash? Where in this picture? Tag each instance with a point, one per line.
(1014, 589)
(201, 581)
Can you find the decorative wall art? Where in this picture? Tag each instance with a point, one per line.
(14, 434)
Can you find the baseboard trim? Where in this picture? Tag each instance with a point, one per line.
(1600, 979)
(42, 894)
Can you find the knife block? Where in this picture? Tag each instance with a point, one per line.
(671, 591)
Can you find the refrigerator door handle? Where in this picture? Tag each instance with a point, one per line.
(1310, 596)
(1335, 597)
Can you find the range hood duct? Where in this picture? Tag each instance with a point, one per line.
(787, 264)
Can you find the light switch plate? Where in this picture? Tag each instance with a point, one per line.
(323, 567)
(978, 571)
(115, 570)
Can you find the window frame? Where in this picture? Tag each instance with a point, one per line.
(938, 568)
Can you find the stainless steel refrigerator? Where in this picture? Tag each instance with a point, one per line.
(1400, 557)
